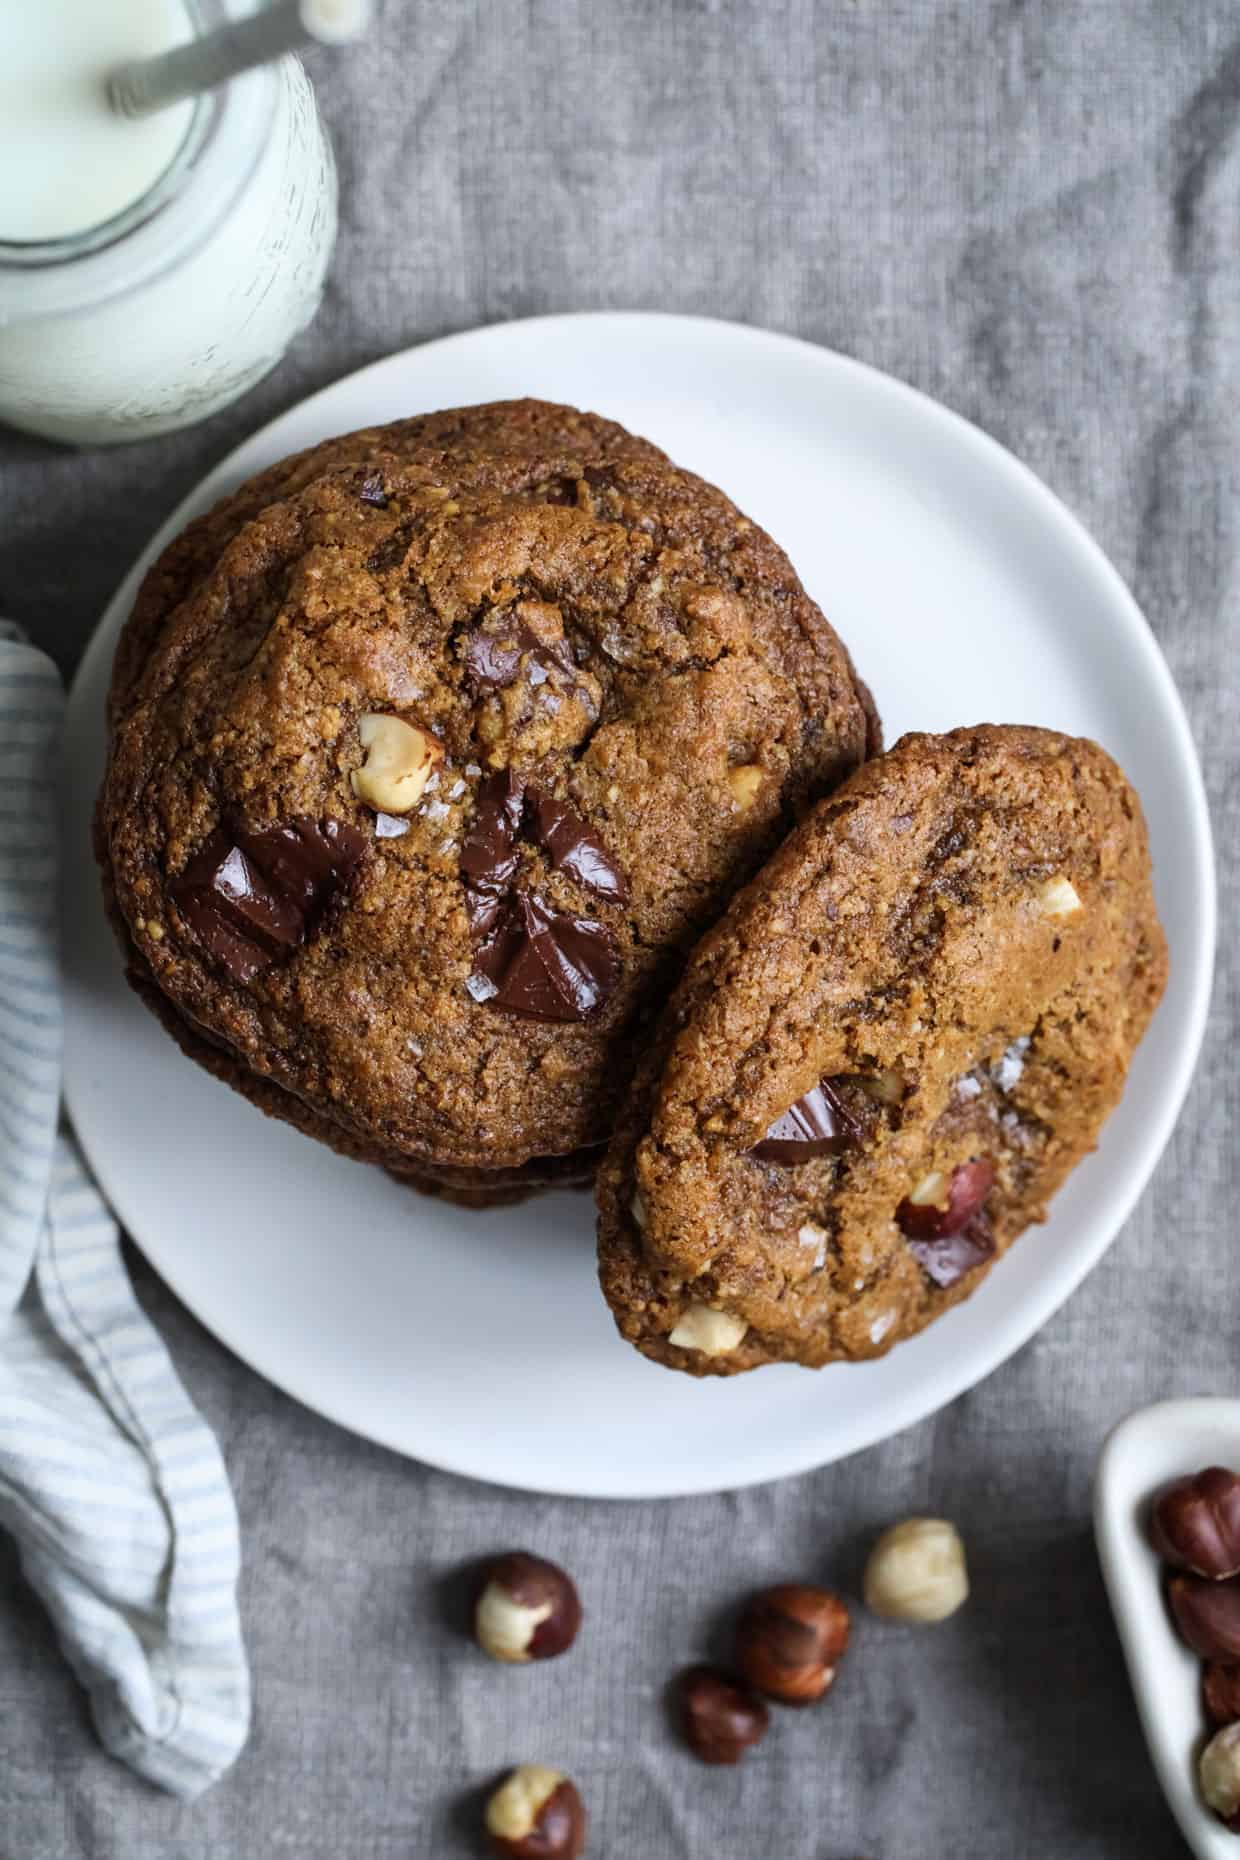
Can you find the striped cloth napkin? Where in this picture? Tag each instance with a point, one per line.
(110, 1481)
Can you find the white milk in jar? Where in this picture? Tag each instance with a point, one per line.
(150, 270)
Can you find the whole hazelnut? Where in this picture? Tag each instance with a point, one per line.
(1196, 1523)
(536, 1814)
(721, 1719)
(1219, 1772)
(916, 1571)
(938, 1206)
(789, 1639)
(400, 760)
(527, 1609)
(714, 1333)
(1208, 1616)
(1058, 897)
(1220, 1687)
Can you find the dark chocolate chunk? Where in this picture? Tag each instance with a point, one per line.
(948, 1258)
(493, 658)
(816, 1125)
(496, 923)
(489, 856)
(251, 894)
(573, 847)
(306, 859)
(543, 964)
(206, 914)
(483, 908)
(371, 491)
(237, 886)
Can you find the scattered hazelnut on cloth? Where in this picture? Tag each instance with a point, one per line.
(536, 1814)
(916, 1572)
(527, 1609)
(721, 1718)
(789, 1640)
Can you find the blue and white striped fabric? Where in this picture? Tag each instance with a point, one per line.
(110, 1480)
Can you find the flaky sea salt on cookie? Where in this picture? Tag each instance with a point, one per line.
(432, 751)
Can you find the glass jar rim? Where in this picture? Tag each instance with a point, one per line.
(212, 168)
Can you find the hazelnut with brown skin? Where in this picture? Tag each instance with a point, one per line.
(527, 1609)
(1196, 1524)
(1207, 1615)
(789, 1640)
(721, 1718)
(1220, 1688)
(939, 1206)
(536, 1814)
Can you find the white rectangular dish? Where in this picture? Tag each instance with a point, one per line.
(1146, 1452)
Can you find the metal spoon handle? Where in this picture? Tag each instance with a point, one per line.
(149, 84)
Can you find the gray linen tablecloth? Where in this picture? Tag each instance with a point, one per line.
(1030, 209)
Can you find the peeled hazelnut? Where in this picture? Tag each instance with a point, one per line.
(528, 1609)
(722, 1719)
(789, 1640)
(536, 1814)
(398, 765)
(916, 1571)
(1219, 1772)
(712, 1332)
(1220, 1687)
(1058, 897)
(885, 1087)
(1196, 1524)
(937, 1208)
(745, 782)
(1208, 1616)
(930, 1191)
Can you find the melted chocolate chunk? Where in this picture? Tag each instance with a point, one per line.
(305, 859)
(371, 491)
(493, 660)
(816, 1125)
(947, 1259)
(251, 894)
(573, 847)
(529, 959)
(489, 856)
(543, 964)
(483, 909)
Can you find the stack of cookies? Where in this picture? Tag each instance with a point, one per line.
(443, 753)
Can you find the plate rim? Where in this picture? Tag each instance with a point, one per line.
(912, 1404)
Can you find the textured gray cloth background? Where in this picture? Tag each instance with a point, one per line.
(1030, 209)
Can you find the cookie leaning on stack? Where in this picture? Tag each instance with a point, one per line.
(886, 1057)
(432, 751)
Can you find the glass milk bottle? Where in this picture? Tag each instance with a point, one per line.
(153, 270)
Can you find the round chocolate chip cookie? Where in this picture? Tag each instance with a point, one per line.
(433, 749)
(886, 1057)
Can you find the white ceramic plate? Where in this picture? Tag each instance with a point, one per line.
(480, 1342)
(1147, 1451)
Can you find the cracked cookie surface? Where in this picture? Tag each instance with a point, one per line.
(886, 1057)
(517, 595)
